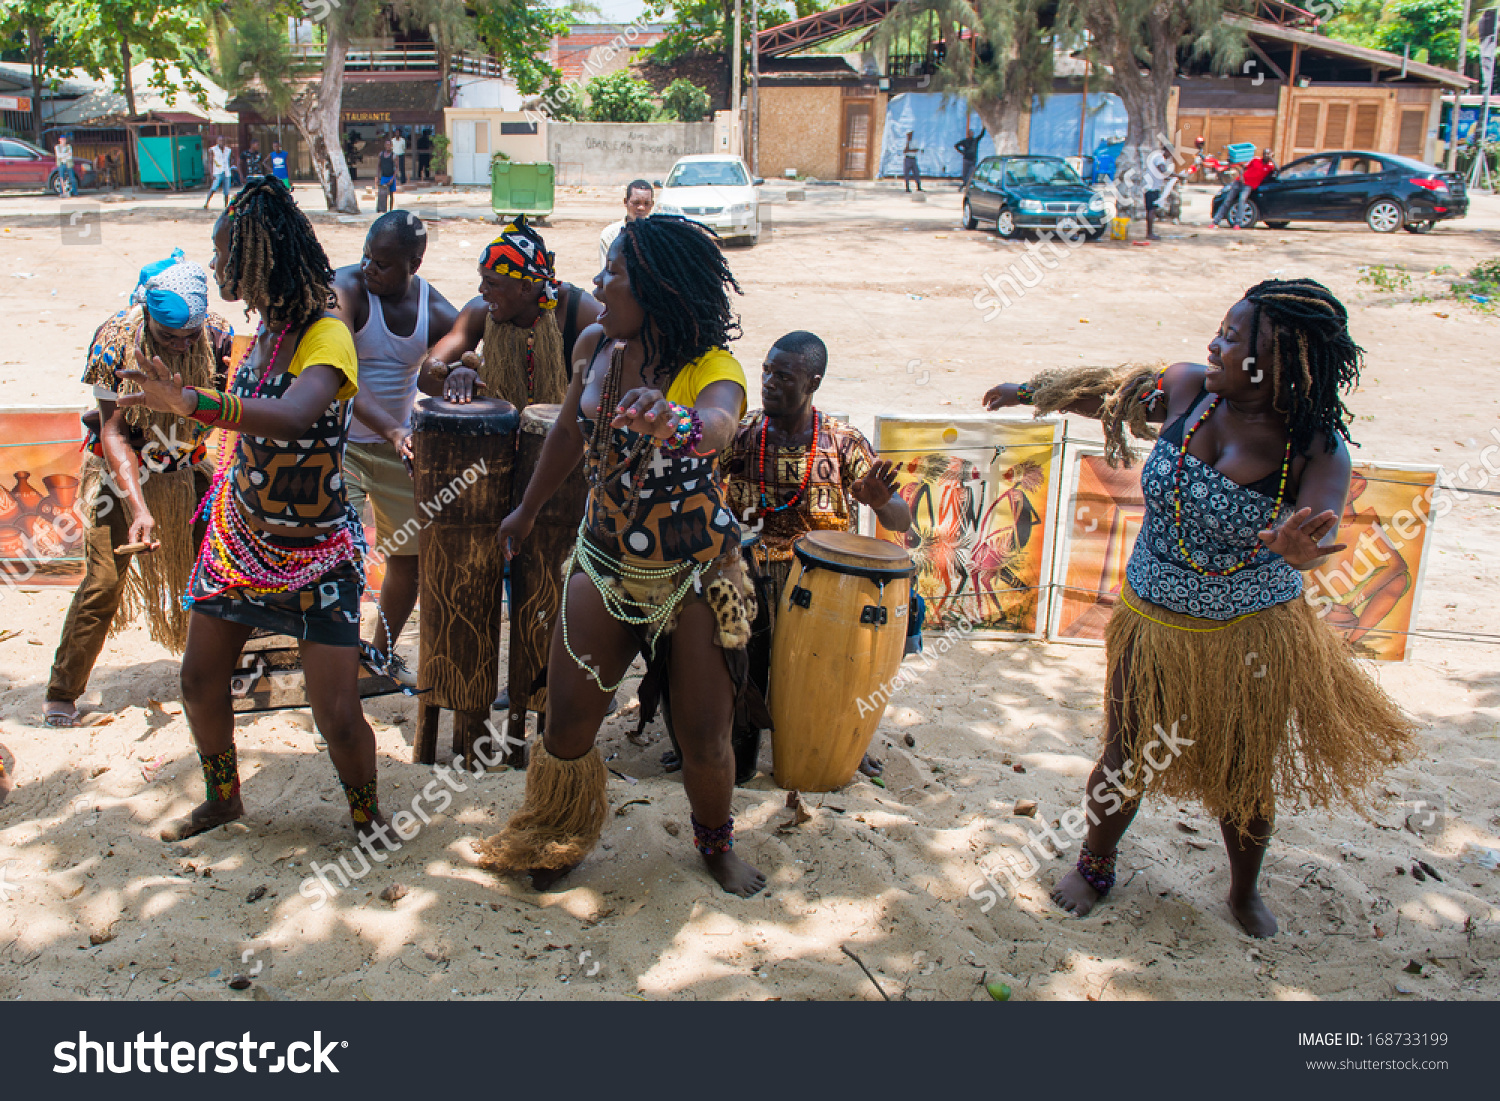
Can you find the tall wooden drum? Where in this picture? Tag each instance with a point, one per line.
(536, 570)
(837, 645)
(464, 457)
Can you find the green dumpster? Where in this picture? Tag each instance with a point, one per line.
(517, 188)
(171, 162)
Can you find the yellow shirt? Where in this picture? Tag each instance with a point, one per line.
(714, 365)
(329, 343)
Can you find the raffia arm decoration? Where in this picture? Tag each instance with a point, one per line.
(1125, 391)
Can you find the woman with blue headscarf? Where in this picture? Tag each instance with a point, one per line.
(143, 477)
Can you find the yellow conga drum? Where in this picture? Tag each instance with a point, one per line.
(837, 645)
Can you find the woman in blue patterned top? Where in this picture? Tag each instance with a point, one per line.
(1223, 685)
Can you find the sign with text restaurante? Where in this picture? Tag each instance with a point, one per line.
(365, 116)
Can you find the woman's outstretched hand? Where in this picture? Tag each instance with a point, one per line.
(647, 412)
(160, 387)
(1296, 537)
(1001, 397)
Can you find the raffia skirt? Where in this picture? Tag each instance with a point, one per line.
(1242, 713)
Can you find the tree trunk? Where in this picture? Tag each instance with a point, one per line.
(125, 61)
(1002, 119)
(315, 114)
(37, 55)
(1145, 93)
(445, 63)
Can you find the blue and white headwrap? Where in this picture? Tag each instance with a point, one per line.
(174, 291)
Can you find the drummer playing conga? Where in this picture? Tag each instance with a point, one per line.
(792, 470)
(657, 569)
(395, 316)
(528, 320)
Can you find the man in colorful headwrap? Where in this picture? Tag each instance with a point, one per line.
(153, 463)
(528, 320)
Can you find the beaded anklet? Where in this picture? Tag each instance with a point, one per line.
(362, 806)
(221, 776)
(1097, 871)
(711, 842)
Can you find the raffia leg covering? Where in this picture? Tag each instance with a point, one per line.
(560, 821)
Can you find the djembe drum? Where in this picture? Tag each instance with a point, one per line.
(536, 570)
(464, 457)
(837, 645)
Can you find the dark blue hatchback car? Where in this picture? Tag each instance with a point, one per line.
(1026, 192)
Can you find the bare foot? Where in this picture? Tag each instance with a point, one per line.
(205, 817)
(60, 713)
(1253, 914)
(379, 831)
(1074, 894)
(734, 875)
(543, 879)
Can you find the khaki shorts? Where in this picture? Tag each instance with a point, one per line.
(376, 471)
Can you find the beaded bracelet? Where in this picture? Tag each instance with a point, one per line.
(1026, 393)
(215, 406)
(688, 434)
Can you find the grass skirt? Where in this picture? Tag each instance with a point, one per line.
(1274, 705)
(560, 821)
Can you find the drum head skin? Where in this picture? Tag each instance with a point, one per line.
(846, 552)
(539, 419)
(480, 417)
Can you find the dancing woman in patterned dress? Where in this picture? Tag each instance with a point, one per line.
(283, 550)
(657, 567)
(1224, 685)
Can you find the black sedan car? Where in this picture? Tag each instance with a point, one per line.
(1384, 191)
(1019, 193)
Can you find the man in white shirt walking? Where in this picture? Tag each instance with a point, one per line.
(640, 200)
(398, 146)
(219, 164)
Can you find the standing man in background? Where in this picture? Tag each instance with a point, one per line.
(640, 200)
(909, 170)
(424, 155)
(385, 178)
(398, 147)
(395, 316)
(66, 177)
(278, 163)
(968, 149)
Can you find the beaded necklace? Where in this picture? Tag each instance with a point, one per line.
(812, 452)
(530, 363)
(233, 554)
(1286, 466)
(598, 453)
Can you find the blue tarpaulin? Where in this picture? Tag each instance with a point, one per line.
(936, 125)
(1055, 122)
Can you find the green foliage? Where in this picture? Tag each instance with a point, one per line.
(1393, 279)
(113, 36)
(1482, 287)
(441, 143)
(565, 103)
(693, 27)
(1428, 27)
(518, 34)
(255, 49)
(685, 101)
(620, 97)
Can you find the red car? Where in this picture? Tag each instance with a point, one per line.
(23, 165)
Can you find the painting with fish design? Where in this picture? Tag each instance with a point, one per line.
(1369, 590)
(981, 489)
(43, 515)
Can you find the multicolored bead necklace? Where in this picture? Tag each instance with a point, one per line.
(812, 453)
(1286, 466)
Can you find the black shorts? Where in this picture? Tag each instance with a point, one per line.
(1152, 197)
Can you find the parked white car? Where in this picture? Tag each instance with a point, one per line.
(717, 191)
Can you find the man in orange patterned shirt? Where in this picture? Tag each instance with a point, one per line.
(792, 470)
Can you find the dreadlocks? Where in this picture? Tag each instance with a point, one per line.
(1313, 357)
(275, 263)
(679, 276)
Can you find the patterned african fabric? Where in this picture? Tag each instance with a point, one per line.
(293, 490)
(179, 441)
(1221, 522)
(520, 252)
(843, 457)
(681, 514)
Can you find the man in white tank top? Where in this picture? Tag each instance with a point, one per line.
(395, 316)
